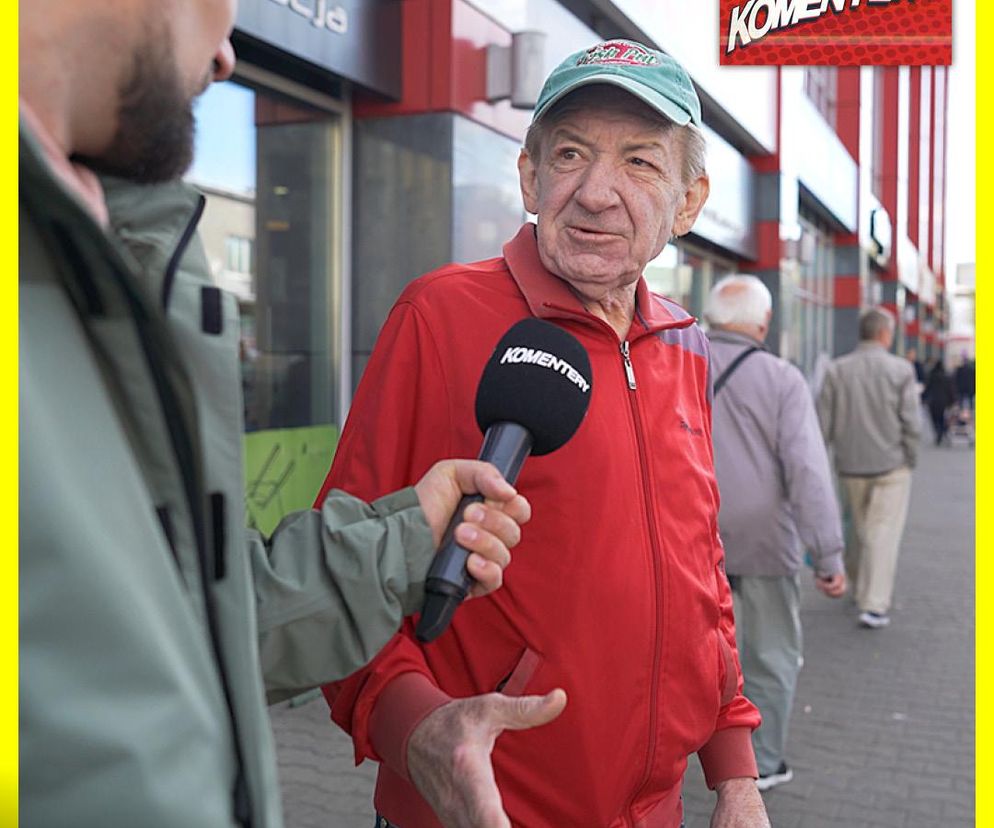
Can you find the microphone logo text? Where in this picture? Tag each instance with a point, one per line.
(533, 356)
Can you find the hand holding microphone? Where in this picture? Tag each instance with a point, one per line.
(532, 397)
(491, 528)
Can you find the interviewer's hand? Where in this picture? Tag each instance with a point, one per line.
(834, 586)
(740, 805)
(490, 529)
(448, 754)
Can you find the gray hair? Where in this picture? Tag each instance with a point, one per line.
(691, 139)
(874, 322)
(739, 299)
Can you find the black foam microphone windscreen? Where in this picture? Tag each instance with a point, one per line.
(538, 377)
(532, 397)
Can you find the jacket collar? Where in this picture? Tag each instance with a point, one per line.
(155, 222)
(734, 337)
(549, 297)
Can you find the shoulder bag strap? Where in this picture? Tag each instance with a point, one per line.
(720, 382)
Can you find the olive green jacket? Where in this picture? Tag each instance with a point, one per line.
(152, 623)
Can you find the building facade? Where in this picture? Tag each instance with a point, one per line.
(362, 143)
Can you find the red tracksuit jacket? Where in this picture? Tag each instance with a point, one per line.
(617, 591)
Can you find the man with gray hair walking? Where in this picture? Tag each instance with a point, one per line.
(868, 407)
(776, 499)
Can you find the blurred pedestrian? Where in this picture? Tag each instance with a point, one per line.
(152, 624)
(868, 408)
(966, 381)
(912, 356)
(777, 498)
(940, 396)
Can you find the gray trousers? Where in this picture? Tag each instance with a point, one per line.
(768, 635)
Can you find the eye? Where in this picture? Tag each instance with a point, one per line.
(641, 163)
(568, 153)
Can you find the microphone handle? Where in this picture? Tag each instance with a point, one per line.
(506, 446)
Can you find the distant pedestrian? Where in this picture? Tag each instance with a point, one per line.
(777, 498)
(965, 378)
(912, 356)
(940, 395)
(868, 407)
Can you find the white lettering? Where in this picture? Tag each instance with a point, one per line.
(300, 8)
(338, 20)
(334, 19)
(808, 9)
(756, 31)
(515, 355)
(754, 19)
(737, 26)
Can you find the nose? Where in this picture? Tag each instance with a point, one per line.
(224, 61)
(597, 191)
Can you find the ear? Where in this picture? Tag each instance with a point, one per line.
(693, 203)
(528, 178)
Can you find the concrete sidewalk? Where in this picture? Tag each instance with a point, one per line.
(882, 731)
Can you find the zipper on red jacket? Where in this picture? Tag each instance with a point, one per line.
(626, 355)
(657, 577)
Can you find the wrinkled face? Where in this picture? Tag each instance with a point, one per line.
(608, 194)
(180, 46)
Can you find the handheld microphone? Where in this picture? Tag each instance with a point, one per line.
(532, 397)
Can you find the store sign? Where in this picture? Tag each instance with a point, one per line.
(358, 40)
(320, 13)
(836, 32)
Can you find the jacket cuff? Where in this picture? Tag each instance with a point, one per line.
(415, 539)
(830, 564)
(728, 755)
(401, 707)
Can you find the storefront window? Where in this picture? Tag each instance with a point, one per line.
(268, 165)
(821, 87)
(666, 276)
(806, 300)
(686, 275)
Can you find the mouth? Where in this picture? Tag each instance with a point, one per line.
(589, 235)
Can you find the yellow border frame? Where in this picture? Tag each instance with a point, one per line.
(8, 430)
(984, 546)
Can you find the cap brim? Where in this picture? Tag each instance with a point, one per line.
(662, 105)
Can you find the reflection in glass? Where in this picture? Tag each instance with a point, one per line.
(486, 200)
(267, 165)
(686, 275)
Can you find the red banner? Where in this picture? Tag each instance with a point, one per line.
(836, 32)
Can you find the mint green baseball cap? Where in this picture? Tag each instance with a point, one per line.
(651, 76)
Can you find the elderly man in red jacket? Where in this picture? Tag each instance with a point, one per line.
(618, 595)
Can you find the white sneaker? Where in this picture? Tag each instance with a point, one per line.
(783, 774)
(874, 620)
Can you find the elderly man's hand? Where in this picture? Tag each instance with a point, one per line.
(448, 754)
(834, 586)
(490, 529)
(740, 805)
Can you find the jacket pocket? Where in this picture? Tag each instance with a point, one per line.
(727, 673)
(514, 683)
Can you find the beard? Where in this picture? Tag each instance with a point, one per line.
(155, 124)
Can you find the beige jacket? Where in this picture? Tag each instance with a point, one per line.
(868, 409)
